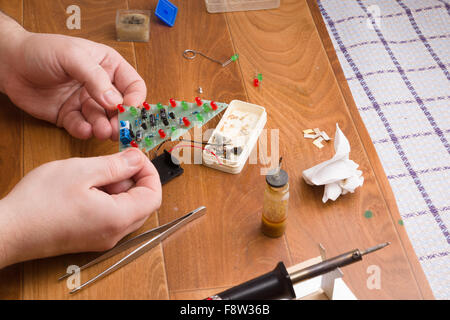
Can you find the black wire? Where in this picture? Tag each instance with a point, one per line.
(159, 147)
(204, 143)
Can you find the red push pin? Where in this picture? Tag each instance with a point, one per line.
(162, 134)
(173, 103)
(186, 122)
(146, 106)
(198, 101)
(256, 82)
(213, 105)
(121, 108)
(134, 144)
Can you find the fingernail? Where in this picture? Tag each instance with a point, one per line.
(132, 157)
(112, 98)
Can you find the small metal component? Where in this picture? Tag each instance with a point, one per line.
(237, 150)
(152, 120)
(172, 115)
(138, 135)
(191, 54)
(375, 248)
(200, 90)
(143, 114)
(164, 117)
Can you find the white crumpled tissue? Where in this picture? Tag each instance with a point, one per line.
(339, 175)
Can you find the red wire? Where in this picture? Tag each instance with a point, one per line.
(194, 146)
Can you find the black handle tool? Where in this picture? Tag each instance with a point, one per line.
(279, 284)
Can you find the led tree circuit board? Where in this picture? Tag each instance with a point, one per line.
(148, 126)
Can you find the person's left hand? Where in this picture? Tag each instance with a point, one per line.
(71, 82)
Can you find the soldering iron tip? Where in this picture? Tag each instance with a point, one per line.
(375, 248)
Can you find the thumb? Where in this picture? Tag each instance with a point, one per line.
(84, 68)
(106, 170)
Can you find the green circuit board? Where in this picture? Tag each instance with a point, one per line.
(148, 126)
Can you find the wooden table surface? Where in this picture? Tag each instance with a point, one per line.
(303, 87)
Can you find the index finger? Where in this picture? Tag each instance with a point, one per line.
(129, 83)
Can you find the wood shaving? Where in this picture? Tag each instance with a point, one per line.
(318, 142)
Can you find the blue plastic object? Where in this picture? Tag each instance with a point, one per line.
(167, 12)
(125, 136)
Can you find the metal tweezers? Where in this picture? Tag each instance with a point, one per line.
(152, 237)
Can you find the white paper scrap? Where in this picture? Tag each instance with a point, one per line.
(339, 175)
(318, 142)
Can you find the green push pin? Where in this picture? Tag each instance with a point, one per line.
(173, 129)
(148, 141)
(133, 111)
(234, 57)
(206, 107)
(199, 117)
(184, 105)
(400, 222)
(260, 77)
(159, 105)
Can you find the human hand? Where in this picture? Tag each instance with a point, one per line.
(77, 205)
(71, 82)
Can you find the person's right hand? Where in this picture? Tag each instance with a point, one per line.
(77, 205)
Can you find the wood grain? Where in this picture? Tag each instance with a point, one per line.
(11, 159)
(303, 87)
(300, 91)
(380, 175)
(142, 279)
(225, 247)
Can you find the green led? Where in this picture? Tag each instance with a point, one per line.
(133, 111)
(206, 107)
(260, 76)
(199, 117)
(234, 57)
(184, 105)
(159, 105)
(148, 141)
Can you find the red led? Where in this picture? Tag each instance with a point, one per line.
(173, 103)
(134, 144)
(121, 108)
(146, 106)
(256, 82)
(162, 134)
(186, 122)
(198, 101)
(213, 105)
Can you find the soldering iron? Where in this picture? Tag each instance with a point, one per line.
(279, 283)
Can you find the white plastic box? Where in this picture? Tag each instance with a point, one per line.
(215, 6)
(240, 126)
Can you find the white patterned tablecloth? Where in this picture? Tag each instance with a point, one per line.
(396, 58)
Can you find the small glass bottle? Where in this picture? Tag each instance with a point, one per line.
(276, 199)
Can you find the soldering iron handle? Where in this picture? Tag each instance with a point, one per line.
(326, 266)
(273, 285)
